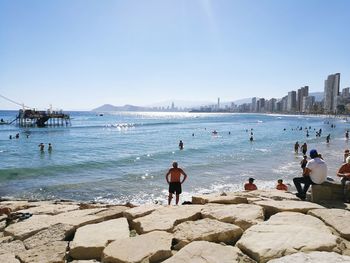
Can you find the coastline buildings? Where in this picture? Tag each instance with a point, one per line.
(298, 101)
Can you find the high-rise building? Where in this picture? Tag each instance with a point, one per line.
(308, 103)
(261, 105)
(345, 93)
(302, 92)
(253, 105)
(271, 105)
(291, 101)
(331, 93)
(218, 103)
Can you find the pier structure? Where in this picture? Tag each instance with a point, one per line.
(34, 118)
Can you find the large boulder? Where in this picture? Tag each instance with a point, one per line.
(9, 258)
(112, 212)
(58, 232)
(313, 257)
(36, 223)
(49, 208)
(208, 252)
(16, 205)
(90, 240)
(207, 230)
(339, 219)
(272, 207)
(140, 211)
(242, 215)
(286, 233)
(224, 198)
(54, 252)
(13, 247)
(150, 247)
(273, 194)
(166, 218)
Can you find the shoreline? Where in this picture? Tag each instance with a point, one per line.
(248, 226)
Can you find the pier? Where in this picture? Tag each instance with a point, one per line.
(34, 118)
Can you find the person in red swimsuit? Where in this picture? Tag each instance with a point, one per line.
(175, 182)
(281, 185)
(250, 186)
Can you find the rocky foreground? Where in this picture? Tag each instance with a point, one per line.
(258, 226)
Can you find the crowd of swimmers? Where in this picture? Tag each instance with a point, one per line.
(215, 133)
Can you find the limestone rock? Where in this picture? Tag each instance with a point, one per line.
(9, 258)
(272, 207)
(16, 205)
(337, 218)
(36, 223)
(47, 208)
(28, 227)
(313, 257)
(150, 247)
(286, 233)
(112, 212)
(85, 261)
(140, 211)
(273, 194)
(242, 215)
(54, 252)
(13, 247)
(90, 240)
(229, 198)
(165, 218)
(58, 232)
(206, 230)
(6, 239)
(208, 252)
(2, 225)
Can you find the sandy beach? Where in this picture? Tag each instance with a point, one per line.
(257, 226)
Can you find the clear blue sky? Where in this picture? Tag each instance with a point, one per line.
(81, 54)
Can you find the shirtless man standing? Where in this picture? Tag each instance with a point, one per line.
(175, 182)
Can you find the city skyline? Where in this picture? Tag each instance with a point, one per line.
(82, 54)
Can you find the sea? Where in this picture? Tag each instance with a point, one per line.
(120, 157)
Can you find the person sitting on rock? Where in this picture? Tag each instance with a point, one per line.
(315, 173)
(344, 174)
(281, 186)
(250, 186)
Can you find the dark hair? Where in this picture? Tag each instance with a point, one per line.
(175, 164)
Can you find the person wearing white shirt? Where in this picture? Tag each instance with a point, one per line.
(315, 173)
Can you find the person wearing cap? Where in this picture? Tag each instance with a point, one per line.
(344, 174)
(250, 186)
(315, 173)
(281, 186)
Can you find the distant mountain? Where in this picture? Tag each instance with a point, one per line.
(109, 107)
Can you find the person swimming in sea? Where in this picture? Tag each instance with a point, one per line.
(181, 145)
(251, 138)
(41, 147)
(49, 147)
